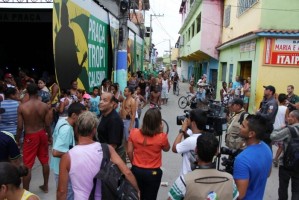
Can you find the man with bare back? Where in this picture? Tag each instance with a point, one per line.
(33, 118)
(155, 98)
(128, 112)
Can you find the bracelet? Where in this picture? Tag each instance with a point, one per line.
(182, 131)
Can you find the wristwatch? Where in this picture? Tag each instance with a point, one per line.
(182, 131)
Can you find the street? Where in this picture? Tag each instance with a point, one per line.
(171, 162)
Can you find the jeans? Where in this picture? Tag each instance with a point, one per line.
(284, 178)
(148, 182)
(70, 192)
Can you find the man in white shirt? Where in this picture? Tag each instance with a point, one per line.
(197, 121)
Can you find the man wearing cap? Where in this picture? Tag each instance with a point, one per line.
(9, 80)
(233, 139)
(268, 109)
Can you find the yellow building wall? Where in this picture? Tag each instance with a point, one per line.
(246, 22)
(278, 76)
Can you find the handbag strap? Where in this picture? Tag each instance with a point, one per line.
(105, 160)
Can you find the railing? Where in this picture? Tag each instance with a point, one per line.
(26, 1)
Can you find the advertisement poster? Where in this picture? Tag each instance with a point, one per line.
(114, 33)
(80, 43)
(282, 52)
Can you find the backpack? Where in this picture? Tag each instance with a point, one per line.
(291, 154)
(114, 184)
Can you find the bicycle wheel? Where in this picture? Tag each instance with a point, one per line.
(165, 126)
(183, 102)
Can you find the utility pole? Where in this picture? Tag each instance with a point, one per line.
(121, 66)
(150, 44)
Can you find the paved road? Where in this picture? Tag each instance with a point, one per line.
(171, 161)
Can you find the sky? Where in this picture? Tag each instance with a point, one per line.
(166, 27)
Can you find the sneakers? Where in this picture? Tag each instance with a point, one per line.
(275, 163)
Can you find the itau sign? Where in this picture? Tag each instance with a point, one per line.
(282, 52)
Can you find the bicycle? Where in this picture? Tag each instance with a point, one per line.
(185, 101)
(165, 124)
(176, 89)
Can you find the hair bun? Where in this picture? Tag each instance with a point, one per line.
(22, 170)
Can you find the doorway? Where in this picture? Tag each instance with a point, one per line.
(245, 70)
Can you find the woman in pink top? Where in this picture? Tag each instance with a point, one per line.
(83, 162)
(145, 147)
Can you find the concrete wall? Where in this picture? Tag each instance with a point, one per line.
(248, 21)
(280, 14)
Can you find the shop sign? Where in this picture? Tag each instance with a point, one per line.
(282, 52)
(247, 46)
(80, 30)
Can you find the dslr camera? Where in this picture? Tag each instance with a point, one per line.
(228, 162)
(179, 119)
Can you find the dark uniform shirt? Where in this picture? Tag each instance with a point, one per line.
(8, 148)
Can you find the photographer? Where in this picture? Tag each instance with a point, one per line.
(196, 120)
(232, 139)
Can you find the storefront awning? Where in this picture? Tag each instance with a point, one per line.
(196, 56)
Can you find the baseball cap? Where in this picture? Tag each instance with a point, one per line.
(8, 75)
(270, 87)
(86, 96)
(237, 101)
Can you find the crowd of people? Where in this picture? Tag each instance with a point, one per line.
(74, 122)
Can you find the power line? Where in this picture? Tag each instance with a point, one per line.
(161, 26)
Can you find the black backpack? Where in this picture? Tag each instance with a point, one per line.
(114, 184)
(291, 154)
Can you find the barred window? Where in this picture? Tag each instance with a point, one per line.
(244, 5)
(226, 19)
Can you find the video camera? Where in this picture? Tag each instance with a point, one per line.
(180, 119)
(228, 162)
(217, 122)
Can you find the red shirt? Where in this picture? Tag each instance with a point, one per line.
(147, 154)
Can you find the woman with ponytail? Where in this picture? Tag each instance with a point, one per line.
(10, 180)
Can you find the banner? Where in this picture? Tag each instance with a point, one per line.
(80, 30)
(281, 52)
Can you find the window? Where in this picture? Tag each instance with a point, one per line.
(244, 5)
(198, 22)
(223, 74)
(231, 68)
(193, 30)
(226, 21)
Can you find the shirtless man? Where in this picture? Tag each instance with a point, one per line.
(155, 98)
(128, 112)
(33, 117)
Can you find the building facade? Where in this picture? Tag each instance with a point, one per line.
(199, 35)
(259, 40)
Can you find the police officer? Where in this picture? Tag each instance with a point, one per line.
(268, 109)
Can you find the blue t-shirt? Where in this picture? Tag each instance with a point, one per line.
(95, 105)
(63, 140)
(254, 163)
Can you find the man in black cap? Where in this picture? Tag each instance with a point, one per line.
(268, 109)
(233, 139)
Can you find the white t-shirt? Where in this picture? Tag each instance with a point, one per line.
(185, 147)
(280, 117)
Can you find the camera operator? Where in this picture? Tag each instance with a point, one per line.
(233, 139)
(196, 120)
(253, 165)
(205, 182)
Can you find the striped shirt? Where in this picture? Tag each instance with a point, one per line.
(9, 118)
